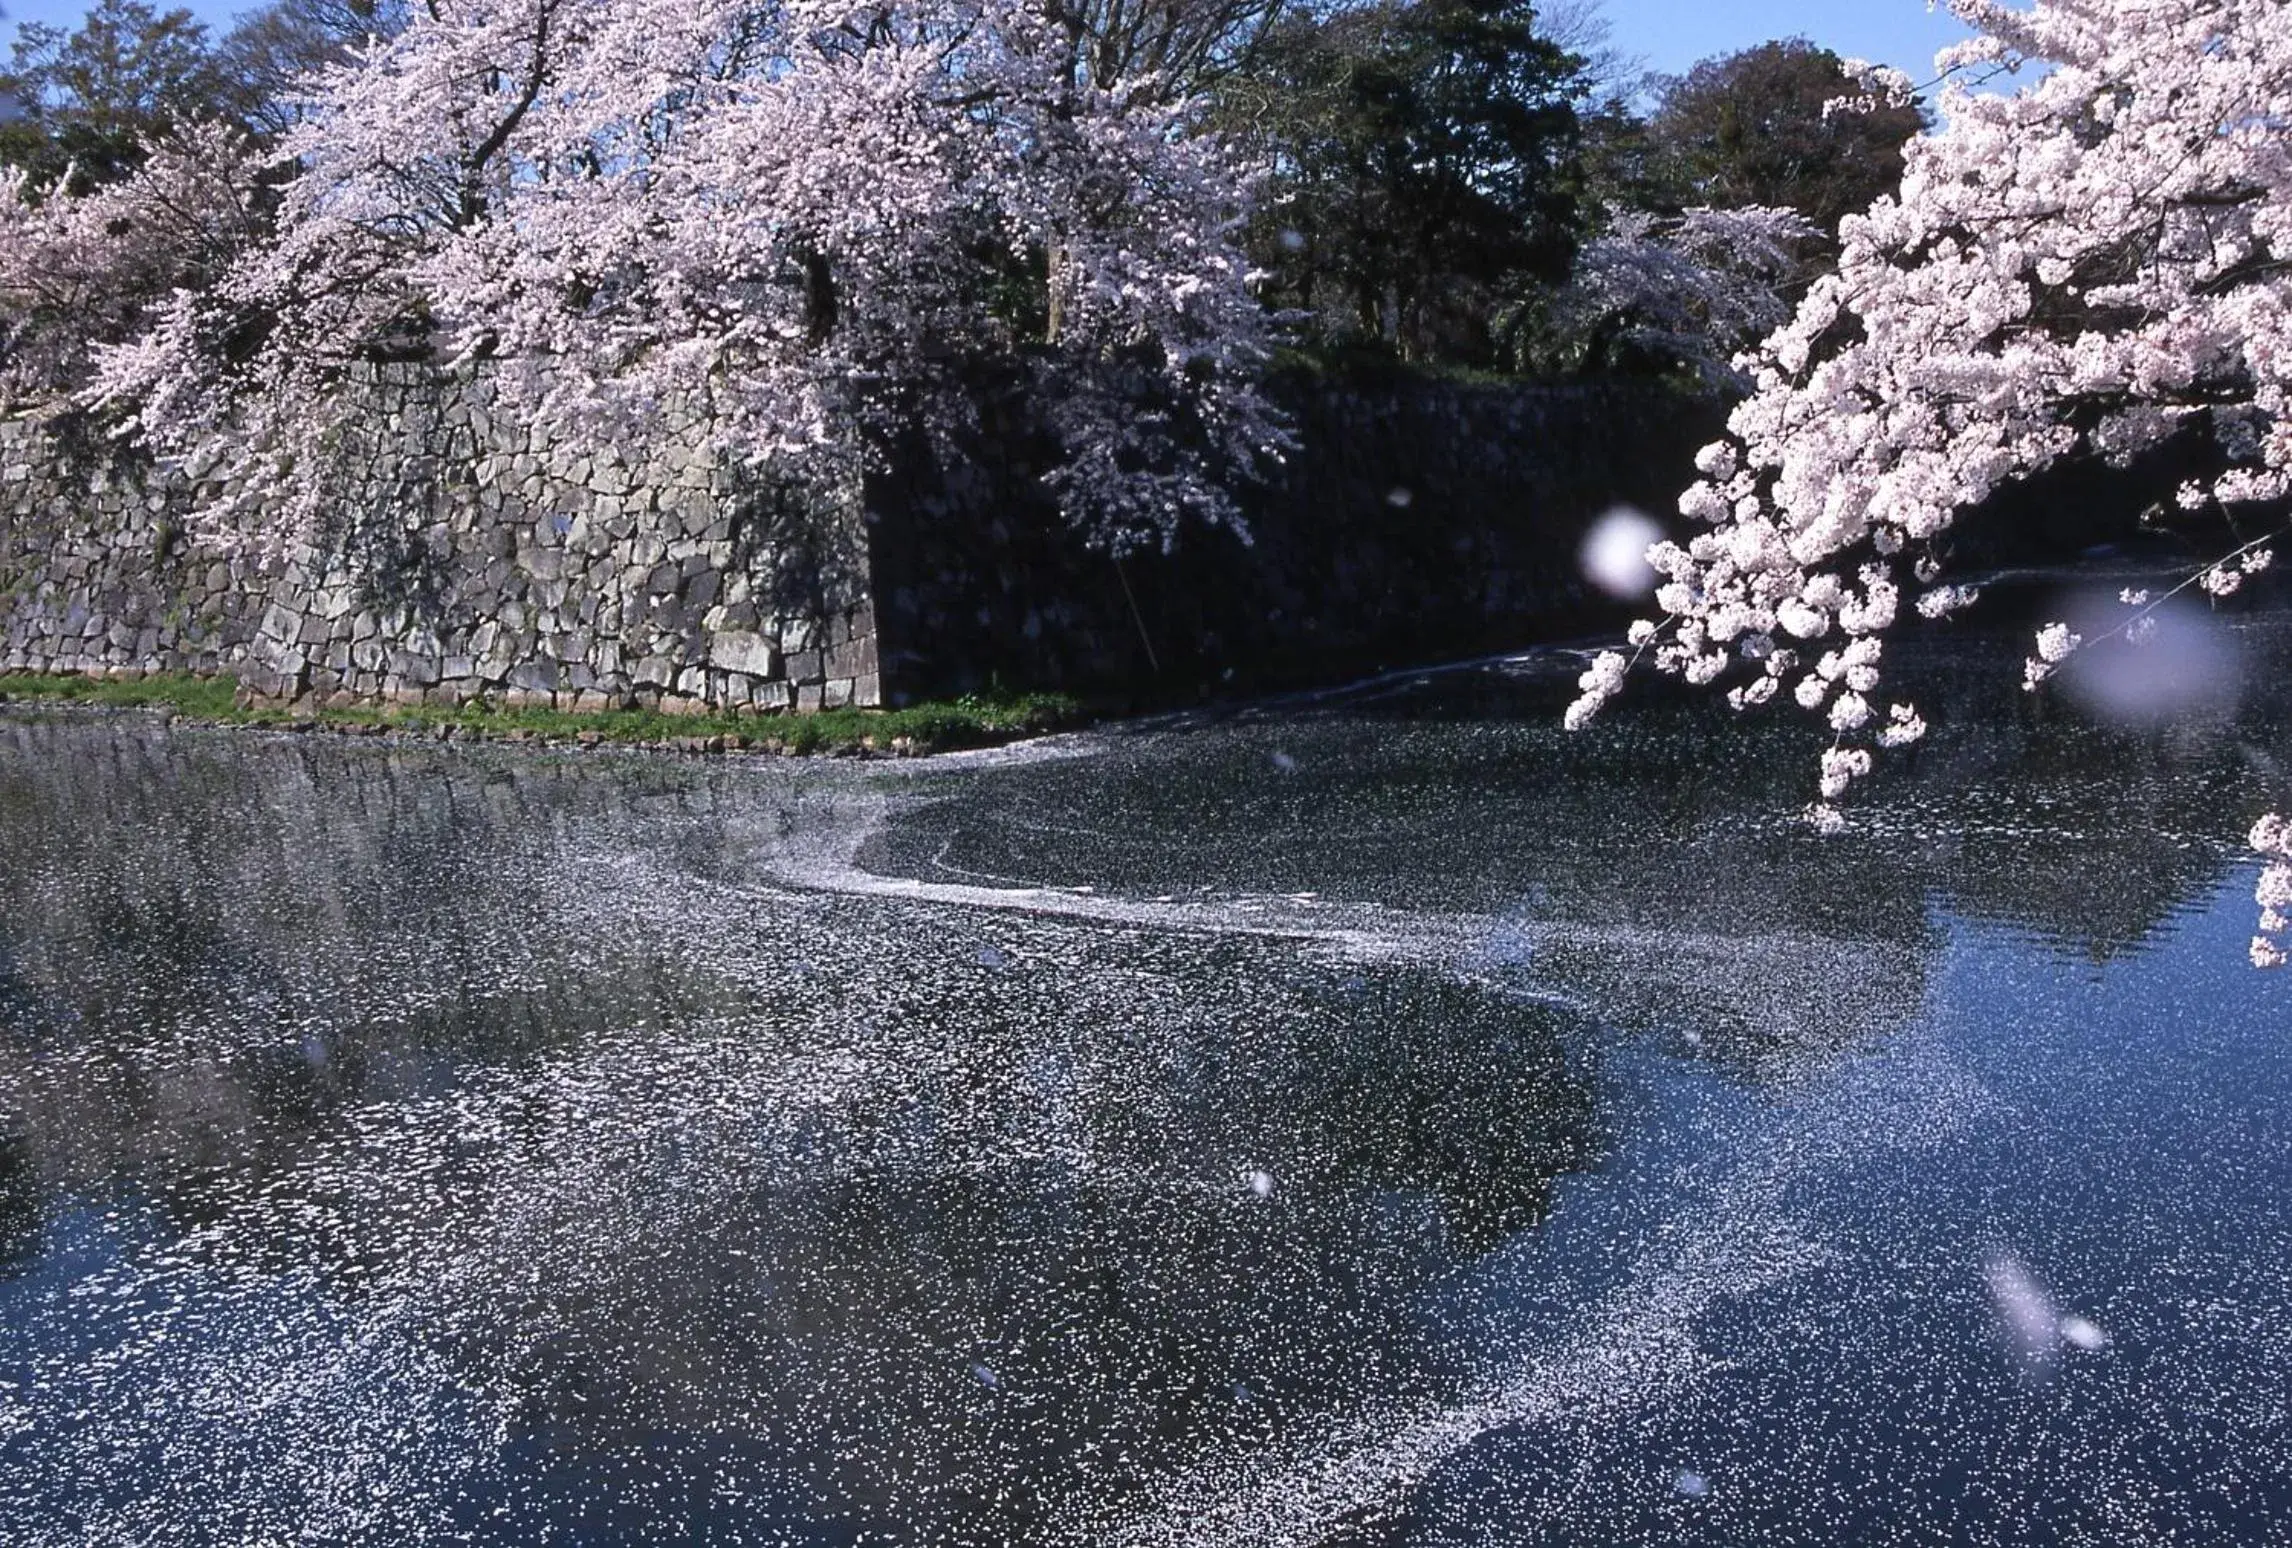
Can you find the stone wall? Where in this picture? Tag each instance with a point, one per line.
(459, 558)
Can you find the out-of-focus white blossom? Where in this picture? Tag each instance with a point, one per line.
(1807, 623)
(2029, 1316)
(2055, 641)
(1614, 553)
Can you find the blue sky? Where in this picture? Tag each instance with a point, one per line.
(1672, 34)
(1669, 35)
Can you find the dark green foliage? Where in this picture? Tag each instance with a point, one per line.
(1749, 128)
(1425, 161)
(91, 97)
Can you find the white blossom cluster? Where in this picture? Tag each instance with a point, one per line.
(1694, 289)
(797, 223)
(2090, 264)
(79, 273)
(2272, 837)
(1877, 86)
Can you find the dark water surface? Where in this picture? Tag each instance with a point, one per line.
(1372, 1120)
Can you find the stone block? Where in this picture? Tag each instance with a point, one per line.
(414, 671)
(744, 652)
(854, 658)
(533, 677)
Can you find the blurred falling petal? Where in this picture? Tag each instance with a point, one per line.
(1399, 497)
(1292, 240)
(986, 1377)
(1285, 763)
(2029, 1314)
(2176, 662)
(993, 957)
(1691, 1485)
(1260, 1183)
(1614, 555)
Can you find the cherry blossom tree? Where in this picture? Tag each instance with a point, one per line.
(2087, 266)
(1687, 292)
(800, 226)
(80, 272)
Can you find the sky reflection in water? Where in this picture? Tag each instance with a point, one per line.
(1367, 1120)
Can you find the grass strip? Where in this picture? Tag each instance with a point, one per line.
(978, 720)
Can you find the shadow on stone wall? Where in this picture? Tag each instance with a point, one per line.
(1418, 520)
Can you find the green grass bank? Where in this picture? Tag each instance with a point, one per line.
(971, 721)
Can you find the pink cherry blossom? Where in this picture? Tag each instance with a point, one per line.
(2086, 266)
(794, 230)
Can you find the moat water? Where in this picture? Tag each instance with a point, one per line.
(1373, 1119)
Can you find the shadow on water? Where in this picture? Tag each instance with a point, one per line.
(1456, 790)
